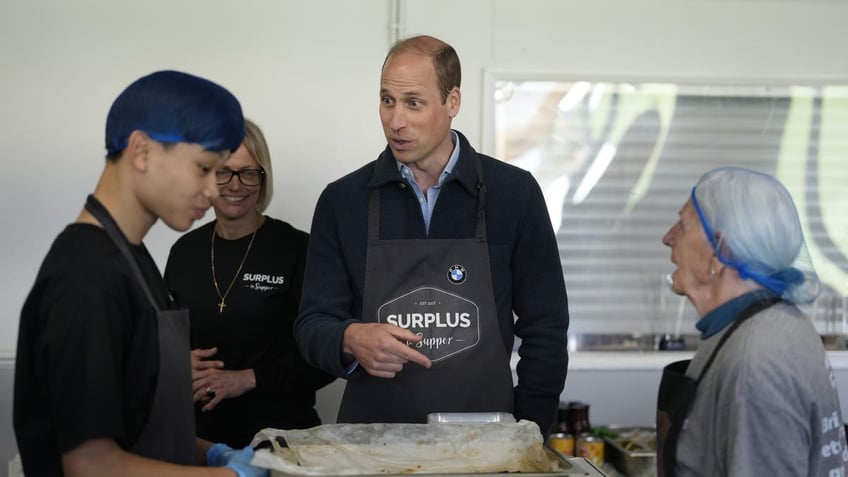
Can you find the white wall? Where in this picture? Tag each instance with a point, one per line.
(308, 72)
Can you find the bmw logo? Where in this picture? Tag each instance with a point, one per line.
(456, 274)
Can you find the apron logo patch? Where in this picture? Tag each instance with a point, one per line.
(446, 323)
(456, 274)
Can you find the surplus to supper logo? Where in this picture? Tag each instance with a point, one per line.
(262, 282)
(447, 323)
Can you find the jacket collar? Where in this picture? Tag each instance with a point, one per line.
(465, 172)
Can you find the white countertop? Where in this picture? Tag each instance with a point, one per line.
(649, 360)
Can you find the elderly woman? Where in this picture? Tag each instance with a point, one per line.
(759, 396)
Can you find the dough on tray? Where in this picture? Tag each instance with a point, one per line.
(361, 449)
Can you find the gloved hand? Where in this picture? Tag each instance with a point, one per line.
(238, 460)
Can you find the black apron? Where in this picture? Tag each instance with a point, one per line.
(677, 393)
(440, 289)
(168, 434)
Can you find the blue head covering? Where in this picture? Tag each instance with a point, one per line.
(753, 226)
(171, 107)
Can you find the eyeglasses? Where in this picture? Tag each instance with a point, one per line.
(248, 177)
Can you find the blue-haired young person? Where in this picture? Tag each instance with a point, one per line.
(103, 374)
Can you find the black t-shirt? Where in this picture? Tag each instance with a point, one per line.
(88, 349)
(255, 330)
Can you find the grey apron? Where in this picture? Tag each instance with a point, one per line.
(677, 393)
(168, 434)
(440, 289)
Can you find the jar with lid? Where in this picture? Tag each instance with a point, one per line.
(591, 447)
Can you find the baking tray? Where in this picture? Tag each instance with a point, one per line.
(273, 438)
(569, 467)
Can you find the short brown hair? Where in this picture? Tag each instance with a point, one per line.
(445, 60)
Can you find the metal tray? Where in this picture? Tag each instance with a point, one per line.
(639, 461)
(466, 417)
(569, 467)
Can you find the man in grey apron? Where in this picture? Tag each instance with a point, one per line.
(418, 261)
(103, 377)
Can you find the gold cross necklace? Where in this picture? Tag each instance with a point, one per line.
(215, 280)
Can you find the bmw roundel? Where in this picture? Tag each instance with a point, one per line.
(456, 274)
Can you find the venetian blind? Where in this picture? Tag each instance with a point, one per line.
(616, 161)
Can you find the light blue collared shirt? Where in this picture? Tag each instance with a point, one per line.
(429, 202)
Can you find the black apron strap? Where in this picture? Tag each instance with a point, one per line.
(93, 206)
(374, 216)
(481, 201)
(747, 313)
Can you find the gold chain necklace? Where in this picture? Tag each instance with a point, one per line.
(215, 280)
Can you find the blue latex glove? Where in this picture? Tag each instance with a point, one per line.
(238, 460)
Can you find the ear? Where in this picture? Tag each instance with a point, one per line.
(136, 152)
(453, 101)
(716, 266)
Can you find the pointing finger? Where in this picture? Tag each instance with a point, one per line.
(410, 354)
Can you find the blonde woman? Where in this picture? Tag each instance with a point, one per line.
(240, 276)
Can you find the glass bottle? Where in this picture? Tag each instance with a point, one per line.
(577, 418)
(560, 426)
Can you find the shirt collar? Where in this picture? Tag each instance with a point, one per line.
(727, 312)
(406, 171)
(463, 170)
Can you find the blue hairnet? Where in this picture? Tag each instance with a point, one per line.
(171, 107)
(753, 226)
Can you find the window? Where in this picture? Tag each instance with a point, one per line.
(616, 161)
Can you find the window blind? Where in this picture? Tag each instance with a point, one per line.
(616, 162)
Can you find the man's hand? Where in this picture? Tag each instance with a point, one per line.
(382, 348)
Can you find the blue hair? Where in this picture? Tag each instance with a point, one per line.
(172, 107)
